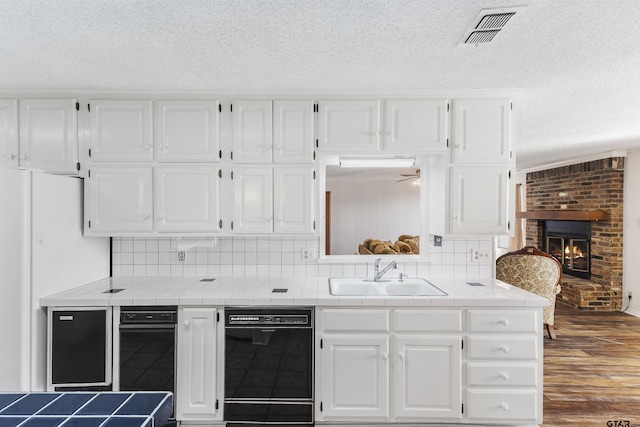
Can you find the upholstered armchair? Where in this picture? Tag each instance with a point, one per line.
(534, 271)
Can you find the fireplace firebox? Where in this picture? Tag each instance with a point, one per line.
(570, 243)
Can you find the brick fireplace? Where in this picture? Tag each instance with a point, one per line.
(579, 192)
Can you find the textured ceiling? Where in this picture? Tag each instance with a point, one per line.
(574, 63)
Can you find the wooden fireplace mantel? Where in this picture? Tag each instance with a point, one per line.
(563, 215)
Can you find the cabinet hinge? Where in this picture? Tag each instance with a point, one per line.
(321, 343)
(231, 174)
(314, 155)
(509, 225)
(89, 223)
(220, 173)
(231, 107)
(447, 142)
(217, 404)
(217, 320)
(78, 166)
(89, 107)
(89, 173)
(447, 107)
(511, 106)
(317, 143)
(220, 108)
(232, 225)
(220, 223)
(77, 106)
(463, 408)
(314, 174)
(462, 344)
(89, 152)
(314, 224)
(320, 406)
(231, 155)
(509, 173)
(220, 154)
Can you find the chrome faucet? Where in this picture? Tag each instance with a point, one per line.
(377, 273)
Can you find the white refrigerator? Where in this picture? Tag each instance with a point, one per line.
(42, 251)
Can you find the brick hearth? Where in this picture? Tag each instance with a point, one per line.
(596, 185)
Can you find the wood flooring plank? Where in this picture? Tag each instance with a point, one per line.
(592, 369)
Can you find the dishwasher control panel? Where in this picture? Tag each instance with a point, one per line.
(266, 318)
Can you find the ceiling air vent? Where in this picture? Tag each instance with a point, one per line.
(488, 25)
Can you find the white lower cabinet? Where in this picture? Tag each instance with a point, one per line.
(377, 365)
(198, 364)
(504, 366)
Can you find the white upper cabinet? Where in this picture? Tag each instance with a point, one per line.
(253, 200)
(252, 131)
(118, 199)
(293, 131)
(49, 135)
(415, 126)
(187, 198)
(346, 126)
(293, 197)
(9, 142)
(479, 200)
(273, 200)
(121, 130)
(481, 131)
(187, 131)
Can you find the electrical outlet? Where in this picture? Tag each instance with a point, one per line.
(308, 254)
(629, 295)
(478, 255)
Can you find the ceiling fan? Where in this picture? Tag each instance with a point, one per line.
(410, 176)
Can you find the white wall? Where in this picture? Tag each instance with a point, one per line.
(631, 239)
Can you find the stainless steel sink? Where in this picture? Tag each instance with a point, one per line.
(396, 287)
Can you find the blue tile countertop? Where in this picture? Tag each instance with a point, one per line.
(85, 409)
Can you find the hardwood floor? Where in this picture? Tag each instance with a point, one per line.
(592, 369)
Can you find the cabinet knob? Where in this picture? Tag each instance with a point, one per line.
(384, 356)
(11, 157)
(401, 356)
(278, 147)
(504, 322)
(145, 216)
(186, 323)
(504, 376)
(504, 407)
(268, 219)
(146, 147)
(268, 147)
(24, 157)
(504, 349)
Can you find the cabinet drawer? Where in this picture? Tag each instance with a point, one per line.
(524, 374)
(428, 320)
(517, 405)
(363, 320)
(503, 321)
(503, 348)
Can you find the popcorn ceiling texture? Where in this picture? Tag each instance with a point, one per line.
(574, 62)
(282, 256)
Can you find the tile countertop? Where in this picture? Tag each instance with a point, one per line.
(307, 291)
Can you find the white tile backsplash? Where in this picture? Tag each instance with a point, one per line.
(281, 256)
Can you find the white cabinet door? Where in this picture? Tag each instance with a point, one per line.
(49, 135)
(293, 200)
(121, 130)
(355, 377)
(293, 131)
(415, 126)
(481, 131)
(427, 377)
(187, 198)
(196, 393)
(478, 200)
(9, 145)
(187, 131)
(253, 200)
(252, 134)
(118, 199)
(349, 126)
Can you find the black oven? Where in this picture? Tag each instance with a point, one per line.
(269, 366)
(147, 348)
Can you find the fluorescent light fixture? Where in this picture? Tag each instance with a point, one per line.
(373, 162)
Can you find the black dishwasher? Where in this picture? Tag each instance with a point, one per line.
(80, 348)
(268, 366)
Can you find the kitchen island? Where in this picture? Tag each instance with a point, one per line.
(471, 357)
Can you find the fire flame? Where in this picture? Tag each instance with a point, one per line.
(577, 252)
